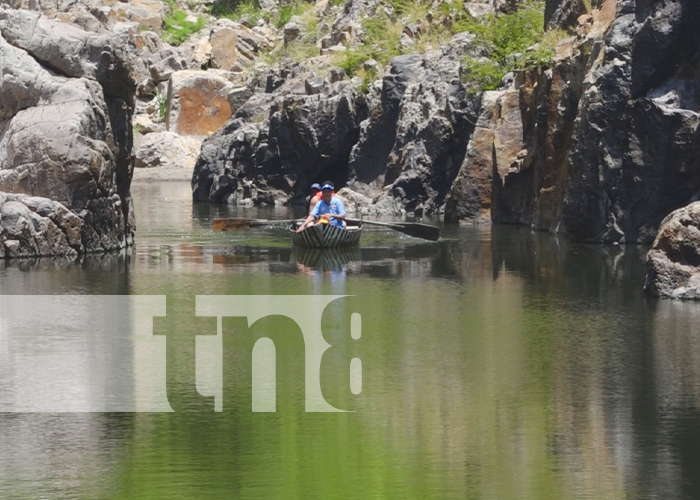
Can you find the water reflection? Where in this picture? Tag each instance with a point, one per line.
(498, 363)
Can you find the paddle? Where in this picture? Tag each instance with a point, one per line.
(231, 223)
(415, 229)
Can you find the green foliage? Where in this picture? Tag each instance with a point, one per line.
(286, 12)
(352, 61)
(383, 39)
(161, 104)
(368, 76)
(482, 74)
(514, 41)
(237, 10)
(513, 33)
(178, 29)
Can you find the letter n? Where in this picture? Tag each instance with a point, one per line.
(259, 373)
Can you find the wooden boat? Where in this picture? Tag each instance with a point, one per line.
(326, 236)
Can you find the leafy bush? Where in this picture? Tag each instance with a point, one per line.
(515, 41)
(482, 74)
(237, 10)
(352, 61)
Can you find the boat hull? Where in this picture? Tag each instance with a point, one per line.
(326, 236)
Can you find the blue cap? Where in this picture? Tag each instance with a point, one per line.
(327, 186)
(316, 186)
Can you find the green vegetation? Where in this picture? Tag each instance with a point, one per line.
(161, 104)
(138, 132)
(512, 42)
(177, 27)
(483, 74)
(515, 41)
(237, 10)
(290, 10)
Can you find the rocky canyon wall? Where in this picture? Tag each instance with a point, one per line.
(66, 100)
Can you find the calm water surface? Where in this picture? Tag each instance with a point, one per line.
(497, 364)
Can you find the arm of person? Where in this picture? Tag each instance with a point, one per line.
(306, 222)
(312, 217)
(341, 211)
(312, 204)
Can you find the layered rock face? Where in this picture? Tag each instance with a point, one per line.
(635, 153)
(66, 99)
(415, 140)
(278, 143)
(604, 144)
(401, 144)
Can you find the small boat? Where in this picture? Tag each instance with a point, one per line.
(326, 236)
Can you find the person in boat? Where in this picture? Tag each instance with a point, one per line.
(328, 210)
(313, 198)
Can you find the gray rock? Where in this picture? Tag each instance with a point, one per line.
(167, 150)
(314, 85)
(292, 31)
(163, 64)
(66, 132)
(412, 149)
(673, 263)
(276, 146)
(336, 75)
(36, 227)
(634, 151)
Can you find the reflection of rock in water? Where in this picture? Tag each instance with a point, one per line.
(107, 261)
(62, 455)
(677, 354)
(326, 259)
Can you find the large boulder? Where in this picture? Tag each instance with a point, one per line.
(66, 100)
(198, 102)
(234, 46)
(470, 195)
(36, 227)
(673, 263)
(167, 149)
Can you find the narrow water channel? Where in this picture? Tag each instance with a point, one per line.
(496, 364)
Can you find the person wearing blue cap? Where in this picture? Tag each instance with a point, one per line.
(310, 200)
(329, 210)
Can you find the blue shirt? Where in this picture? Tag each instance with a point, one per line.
(334, 208)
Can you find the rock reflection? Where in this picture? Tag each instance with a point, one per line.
(677, 354)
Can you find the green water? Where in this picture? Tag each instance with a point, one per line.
(496, 364)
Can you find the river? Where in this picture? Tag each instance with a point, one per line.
(498, 363)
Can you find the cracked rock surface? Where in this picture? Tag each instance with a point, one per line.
(66, 102)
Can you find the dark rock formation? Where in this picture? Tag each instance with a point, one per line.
(293, 141)
(604, 144)
(673, 263)
(414, 144)
(401, 144)
(635, 153)
(66, 99)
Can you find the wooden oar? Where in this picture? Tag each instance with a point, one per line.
(231, 223)
(415, 229)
